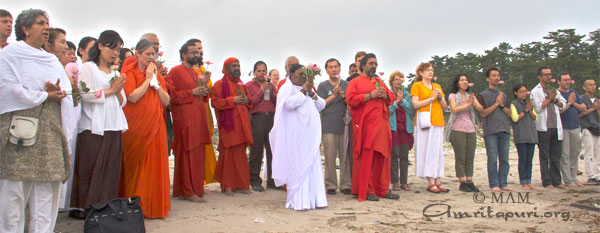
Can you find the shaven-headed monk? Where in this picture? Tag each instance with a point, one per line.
(369, 99)
(231, 103)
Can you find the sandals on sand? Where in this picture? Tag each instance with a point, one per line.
(372, 197)
(429, 189)
(442, 189)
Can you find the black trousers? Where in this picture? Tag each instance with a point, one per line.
(261, 124)
(550, 151)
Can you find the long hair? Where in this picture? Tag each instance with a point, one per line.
(108, 38)
(455, 88)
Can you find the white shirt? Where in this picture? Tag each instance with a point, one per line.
(541, 123)
(104, 113)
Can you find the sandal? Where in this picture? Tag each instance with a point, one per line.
(396, 187)
(436, 190)
(372, 197)
(405, 187)
(391, 195)
(442, 189)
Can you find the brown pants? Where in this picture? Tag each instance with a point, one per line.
(334, 148)
(261, 124)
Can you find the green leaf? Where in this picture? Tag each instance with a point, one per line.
(84, 87)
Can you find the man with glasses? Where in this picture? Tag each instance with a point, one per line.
(190, 130)
(548, 102)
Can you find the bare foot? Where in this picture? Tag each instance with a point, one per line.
(507, 189)
(573, 186)
(194, 198)
(549, 187)
(531, 187)
(579, 184)
(562, 186)
(526, 187)
(496, 189)
(228, 192)
(243, 191)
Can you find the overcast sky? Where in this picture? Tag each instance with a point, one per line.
(401, 33)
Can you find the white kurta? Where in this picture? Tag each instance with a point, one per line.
(295, 140)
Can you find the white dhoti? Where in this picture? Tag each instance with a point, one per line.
(42, 198)
(429, 152)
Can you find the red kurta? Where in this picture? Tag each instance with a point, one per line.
(145, 170)
(372, 138)
(190, 132)
(232, 168)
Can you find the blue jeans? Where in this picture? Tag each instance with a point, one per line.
(496, 147)
(525, 151)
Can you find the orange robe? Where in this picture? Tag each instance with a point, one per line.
(145, 170)
(372, 138)
(190, 132)
(232, 168)
(211, 160)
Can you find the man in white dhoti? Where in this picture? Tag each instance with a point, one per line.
(295, 140)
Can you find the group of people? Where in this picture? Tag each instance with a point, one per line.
(106, 122)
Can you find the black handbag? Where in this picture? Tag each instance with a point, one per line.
(115, 216)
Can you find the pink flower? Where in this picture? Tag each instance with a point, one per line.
(338, 76)
(317, 68)
(310, 65)
(553, 80)
(240, 83)
(572, 81)
(529, 92)
(266, 76)
(501, 82)
(159, 53)
(380, 73)
(114, 67)
(435, 78)
(200, 76)
(99, 93)
(72, 69)
(471, 84)
(208, 62)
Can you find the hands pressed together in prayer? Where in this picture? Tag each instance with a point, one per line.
(500, 99)
(241, 99)
(436, 94)
(399, 96)
(200, 90)
(307, 88)
(117, 85)
(378, 92)
(54, 91)
(151, 72)
(529, 106)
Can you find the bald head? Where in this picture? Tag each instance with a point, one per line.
(152, 37)
(589, 86)
(289, 62)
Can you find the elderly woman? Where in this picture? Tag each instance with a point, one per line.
(401, 124)
(33, 85)
(145, 167)
(428, 97)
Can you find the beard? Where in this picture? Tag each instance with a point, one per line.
(371, 72)
(193, 60)
(236, 73)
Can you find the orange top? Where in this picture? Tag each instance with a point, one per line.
(242, 134)
(423, 92)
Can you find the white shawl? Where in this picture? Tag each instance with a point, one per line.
(24, 70)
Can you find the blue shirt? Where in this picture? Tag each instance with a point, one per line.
(570, 118)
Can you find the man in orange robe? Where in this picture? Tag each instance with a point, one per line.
(190, 130)
(231, 103)
(145, 169)
(369, 99)
(211, 159)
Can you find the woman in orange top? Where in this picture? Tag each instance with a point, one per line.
(428, 97)
(145, 171)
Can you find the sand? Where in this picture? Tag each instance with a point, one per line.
(264, 211)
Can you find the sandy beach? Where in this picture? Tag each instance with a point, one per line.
(417, 210)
